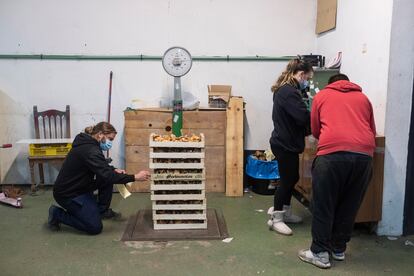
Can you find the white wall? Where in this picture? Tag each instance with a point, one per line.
(363, 35)
(400, 93)
(225, 27)
(378, 53)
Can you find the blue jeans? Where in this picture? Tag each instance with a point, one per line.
(84, 211)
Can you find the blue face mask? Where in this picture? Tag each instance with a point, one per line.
(107, 145)
(303, 84)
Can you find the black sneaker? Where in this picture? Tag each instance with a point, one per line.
(111, 214)
(52, 222)
(338, 256)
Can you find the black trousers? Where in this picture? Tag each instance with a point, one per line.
(288, 163)
(84, 211)
(339, 182)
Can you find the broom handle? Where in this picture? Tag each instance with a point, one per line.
(110, 97)
(109, 104)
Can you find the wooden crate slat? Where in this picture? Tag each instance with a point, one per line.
(182, 226)
(179, 216)
(156, 206)
(172, 187)
(178, 182)
(175, 155)
(153, 144)
(179, 197)
(176, 165)
(199, 192)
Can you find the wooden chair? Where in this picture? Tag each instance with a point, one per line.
(49, 124)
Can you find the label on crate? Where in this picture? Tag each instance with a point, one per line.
(187, 176)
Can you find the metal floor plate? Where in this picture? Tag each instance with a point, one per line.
(140, 228)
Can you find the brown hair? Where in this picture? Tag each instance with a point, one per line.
(104, 127)
(294, 66)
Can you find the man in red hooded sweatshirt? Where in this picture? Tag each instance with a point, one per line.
(343, 121)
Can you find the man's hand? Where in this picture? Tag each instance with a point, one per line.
(120, 171)
(142, 176)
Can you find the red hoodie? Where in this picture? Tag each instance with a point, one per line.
(342, 119)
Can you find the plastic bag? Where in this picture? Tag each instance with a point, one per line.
(262, 169)
(190, 102)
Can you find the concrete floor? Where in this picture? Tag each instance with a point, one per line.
(28, 248)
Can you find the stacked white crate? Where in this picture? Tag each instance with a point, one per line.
(190, 211)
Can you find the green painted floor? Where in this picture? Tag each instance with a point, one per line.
(28, 248)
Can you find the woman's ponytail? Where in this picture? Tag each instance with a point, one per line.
(287, 76)
(104, 127)
(89, 130)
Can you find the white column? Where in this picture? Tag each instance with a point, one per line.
(398, 114)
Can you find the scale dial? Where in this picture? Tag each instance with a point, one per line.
(177, 61)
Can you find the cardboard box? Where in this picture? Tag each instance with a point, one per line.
(219, 95)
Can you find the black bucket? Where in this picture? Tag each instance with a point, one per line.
(261, 186)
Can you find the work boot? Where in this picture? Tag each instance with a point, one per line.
(276, 222)
(111, 214)
(289, 217)
(52, 221)
(320, 259)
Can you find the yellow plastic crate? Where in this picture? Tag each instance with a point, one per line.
(49, 149)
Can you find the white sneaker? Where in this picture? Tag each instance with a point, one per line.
(320, 260)
(276, 223)
(289, 217)
(338, 256)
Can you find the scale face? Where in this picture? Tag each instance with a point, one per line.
(177, 61)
